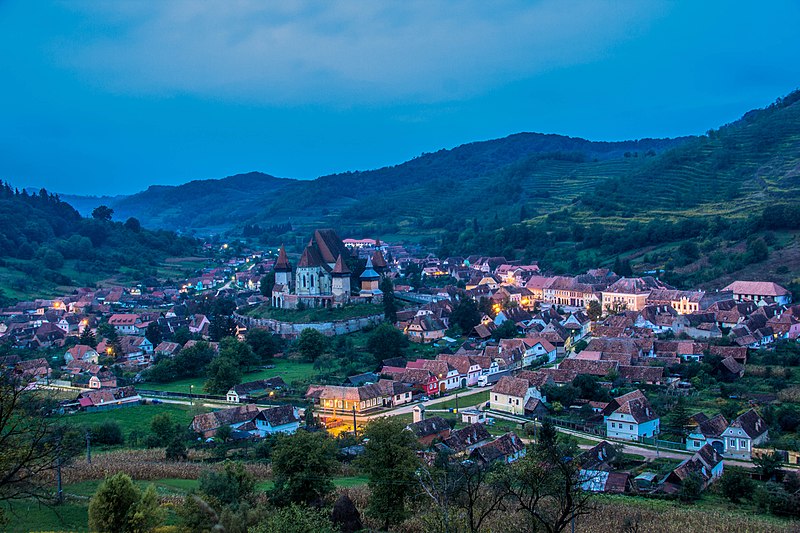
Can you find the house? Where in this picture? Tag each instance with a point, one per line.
(425, 328)
(428, 429)
(251, 390)
(706, 462)
(697, 326)
(746, 432)
(125, 323)
(511, 394)
(103, 379)
(630, 293)
(207, 424)
(466, 439)
(283, 419)
(683, 302)
(760, 292)
(104, 399)
(81, 352)
(630, 417)
(339, 398)
(395, 393)
(33, 369)
(507, 449)
(168, 349)
(447, 375)
(706, 430)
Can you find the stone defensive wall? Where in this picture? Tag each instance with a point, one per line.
(290, 330)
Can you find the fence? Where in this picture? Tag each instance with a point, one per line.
(577, 426)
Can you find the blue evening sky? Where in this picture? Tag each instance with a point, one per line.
(110, 97)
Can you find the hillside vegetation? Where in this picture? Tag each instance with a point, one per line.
(700, 208)
(46, 246)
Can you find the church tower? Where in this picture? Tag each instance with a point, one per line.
(283, 270)
(370, 281)
(340, 282)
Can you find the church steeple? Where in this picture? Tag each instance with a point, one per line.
(282, 264)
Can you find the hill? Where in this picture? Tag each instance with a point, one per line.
(46, 246)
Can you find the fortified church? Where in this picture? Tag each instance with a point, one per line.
(322, 277)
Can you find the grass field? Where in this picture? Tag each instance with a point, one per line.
(135, 417)
(289, 370)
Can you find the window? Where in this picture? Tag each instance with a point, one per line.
(742, 444)
(732, 443)
(631, 427)
(613, 425)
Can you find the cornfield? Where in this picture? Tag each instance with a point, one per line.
(608, 517)
(147, 465)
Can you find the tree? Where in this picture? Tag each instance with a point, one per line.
(267, 283)
(230, 485)
(679, 417)
(389, 303)
(465, 315)
(345, 515)
(735, 484)
(546, 484)
(223, 374)
(176, 450)
(238, 352)
(311, 344)
(221, 326)
(390, 462)
(32, 443)
(595, 310)
(153, 333)
(102, 212)
(133, 225)
(768, 464)
(224, 433)
(386, 341)
(691, 488)
(506, 330)
(87, 337)
(119, 506)
(162, 429)
(263, 343)
(303, 467)
(297, 519)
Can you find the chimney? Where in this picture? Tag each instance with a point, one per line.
(419, 413)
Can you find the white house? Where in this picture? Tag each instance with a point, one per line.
(511, 394)
(744, 433)
(283, 419)
(631, 418)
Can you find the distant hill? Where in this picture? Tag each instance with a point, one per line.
(693, 206)
(46, 246)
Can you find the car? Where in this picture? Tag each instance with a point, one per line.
(156, 401)
(423, 398)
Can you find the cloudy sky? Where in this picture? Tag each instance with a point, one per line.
(110, 97)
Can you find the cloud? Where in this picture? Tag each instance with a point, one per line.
(345, 53)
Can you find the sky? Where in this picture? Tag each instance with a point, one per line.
(106, 98)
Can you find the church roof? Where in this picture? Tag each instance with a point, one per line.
(378, 261)
(329, 244)
(311, 257)
(369, 273)
(341, 267)
(282, 264)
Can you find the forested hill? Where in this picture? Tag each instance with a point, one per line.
(46, 244)
(409, 194)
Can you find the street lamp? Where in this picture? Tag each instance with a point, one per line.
(191, 397)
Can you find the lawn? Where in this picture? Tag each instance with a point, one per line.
(135, 417)
(169, 486)
(463, 402)
(28, 515)
(289, 370)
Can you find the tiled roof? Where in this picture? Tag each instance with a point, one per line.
(757, 288)
(279, 416)
(429, 426)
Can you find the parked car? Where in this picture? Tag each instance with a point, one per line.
(423, 398)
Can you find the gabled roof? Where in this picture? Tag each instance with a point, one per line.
(278, 416)
(224, 417)
(329, 244)
(460, 440)
(498, 449)
(429, 426)
(512, 386)
(341, 268)
(752, 424)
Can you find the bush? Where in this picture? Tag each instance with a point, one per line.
(107, 432)
(736, 484)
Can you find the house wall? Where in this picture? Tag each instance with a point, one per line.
(622, 426)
